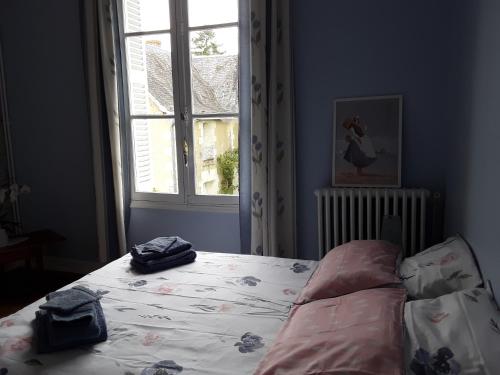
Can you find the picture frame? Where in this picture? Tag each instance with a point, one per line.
(367, 141)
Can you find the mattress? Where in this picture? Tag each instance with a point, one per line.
(218, 315)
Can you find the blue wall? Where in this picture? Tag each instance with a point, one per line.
(364, 48)
(207, 231)
(49, 120)
(51, 137)
(473, 172)
(444, 60)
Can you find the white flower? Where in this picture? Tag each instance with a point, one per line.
(13, 195)
(13, 192)
(25, 189)
(14, 188)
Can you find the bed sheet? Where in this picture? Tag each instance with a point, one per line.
(218, 315)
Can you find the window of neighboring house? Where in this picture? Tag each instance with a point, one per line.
(181, 75)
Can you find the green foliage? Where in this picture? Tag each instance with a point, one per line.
(205, 44)
(227, 165)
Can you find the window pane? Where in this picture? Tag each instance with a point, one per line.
(146, 15)
(149, 68)
(155, 156)
(212, 12)
(216, 158)
(214, 70)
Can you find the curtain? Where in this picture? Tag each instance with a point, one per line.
(272, 131)
(101, 67)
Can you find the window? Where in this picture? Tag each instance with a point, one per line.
(181, 79)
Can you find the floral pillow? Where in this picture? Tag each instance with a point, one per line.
(354, 266)
(441, 269)
(458, 333)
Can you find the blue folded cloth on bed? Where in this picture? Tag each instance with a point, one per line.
(67, 301)
(155, 265)
(70, 318)
(159, 248)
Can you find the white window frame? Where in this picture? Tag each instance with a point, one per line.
(186, 199)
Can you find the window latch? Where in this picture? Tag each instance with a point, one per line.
(185, 152)
(185, 115)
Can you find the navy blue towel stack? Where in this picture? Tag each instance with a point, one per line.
(70, 318)
(161, 253)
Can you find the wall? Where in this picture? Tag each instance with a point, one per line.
(364, 48)
(51, 137)
(389, 47)
(473, 175)
(207, 231)
(49, 120)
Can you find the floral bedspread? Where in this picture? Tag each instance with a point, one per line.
(218, 315)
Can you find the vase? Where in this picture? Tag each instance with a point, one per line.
(4, 238)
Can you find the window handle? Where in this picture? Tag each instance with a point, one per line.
(185, 152)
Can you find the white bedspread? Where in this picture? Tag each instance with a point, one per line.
(218, 315)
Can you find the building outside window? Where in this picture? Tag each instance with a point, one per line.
(181, 74)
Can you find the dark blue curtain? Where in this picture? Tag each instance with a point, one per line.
(245, 128)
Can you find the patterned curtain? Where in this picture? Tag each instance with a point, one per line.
(273, 159)
(101, 73)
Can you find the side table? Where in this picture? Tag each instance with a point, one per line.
(32, 247)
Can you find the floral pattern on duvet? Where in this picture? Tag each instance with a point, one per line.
(163, 368)
(7, 323)
(33, 362)
(299, 268)
(249, 343)
(138, 283)
(249, 280)
(16, 344)
(440, 363)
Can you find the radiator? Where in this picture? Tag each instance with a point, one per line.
(346, 214)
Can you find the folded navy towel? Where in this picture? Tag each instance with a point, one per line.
(155, 265)
(65, 301)
(70, 318)
(176, 254)
(159, 248)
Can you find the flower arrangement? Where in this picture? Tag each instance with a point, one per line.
(8, 197)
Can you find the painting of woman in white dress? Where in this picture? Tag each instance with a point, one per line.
(367, 142)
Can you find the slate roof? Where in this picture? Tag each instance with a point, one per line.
(214, 79)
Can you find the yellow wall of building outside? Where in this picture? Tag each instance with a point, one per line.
(211, 138)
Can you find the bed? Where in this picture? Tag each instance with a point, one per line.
(358, 311)
(213, 316)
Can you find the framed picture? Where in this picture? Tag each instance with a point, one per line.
(367, 141)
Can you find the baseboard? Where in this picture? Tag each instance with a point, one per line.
(70, 265)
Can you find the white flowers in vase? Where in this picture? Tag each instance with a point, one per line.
(12, 192)
(8, 197)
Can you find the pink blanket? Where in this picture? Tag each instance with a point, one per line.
(359, 333)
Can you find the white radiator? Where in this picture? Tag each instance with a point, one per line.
(346, 214)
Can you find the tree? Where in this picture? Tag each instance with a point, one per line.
(227, 165)
(205, 44)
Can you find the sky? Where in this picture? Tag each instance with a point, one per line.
(155, 15)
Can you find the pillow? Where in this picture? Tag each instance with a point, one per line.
(458, 333)
(354, 266)
(441, 269)
(359, 333)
